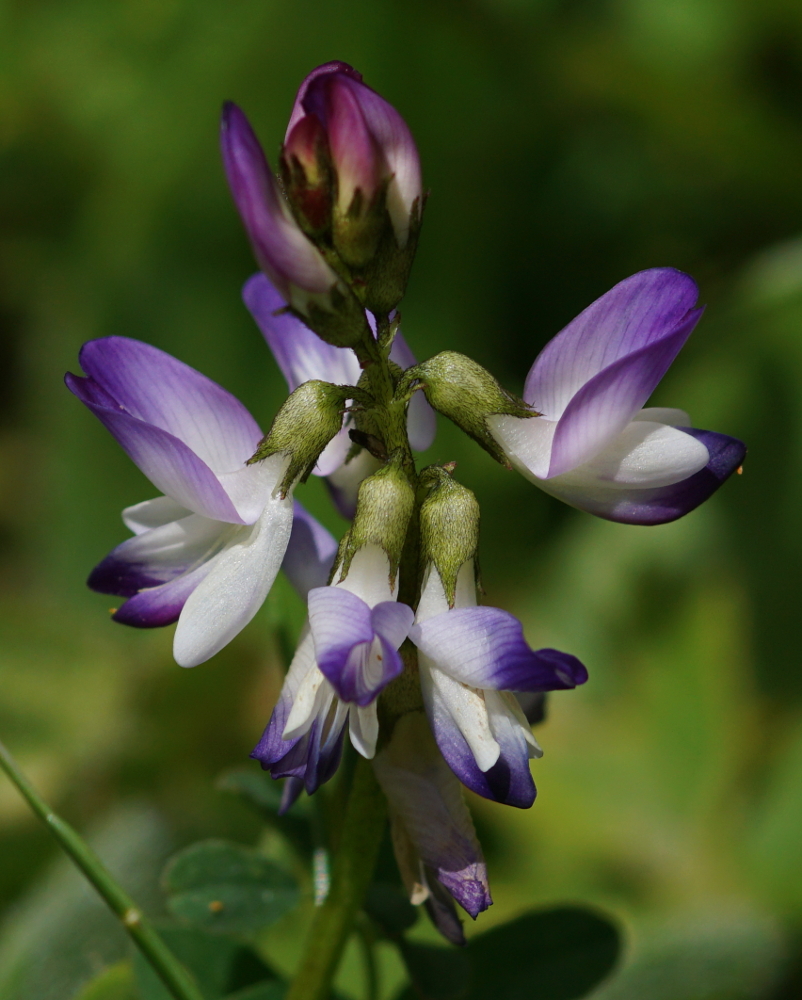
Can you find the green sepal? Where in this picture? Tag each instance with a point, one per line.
(449, 527)
(308, 420)
(467, 394)
(341, 322)
(383, 509)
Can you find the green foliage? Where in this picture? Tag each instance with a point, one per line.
(220, 966)
(226, 888)
(262, 793)
(117, 982)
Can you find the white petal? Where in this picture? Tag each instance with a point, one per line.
(153, 514)
(364, 729)
(305, 689)
(232, 593)
(467, 708)
(251, 486)
(504, 716)
(664, 415)
(369, 576)
(525, 441)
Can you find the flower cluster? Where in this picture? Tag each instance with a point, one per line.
(396, 651)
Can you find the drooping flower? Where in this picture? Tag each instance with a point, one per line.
(302, 355)
(347, 655)
(207, 552)
(435, 844)
(471, 659)
(594, 446)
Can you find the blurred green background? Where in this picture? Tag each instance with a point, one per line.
(566, 145)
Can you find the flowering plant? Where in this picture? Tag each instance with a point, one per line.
(431, 689)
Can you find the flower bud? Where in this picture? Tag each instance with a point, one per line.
(449, 528)
(384, 507)
(377, 198)
(308, 420)
(306, 172)
(467, 394)
(312, 289)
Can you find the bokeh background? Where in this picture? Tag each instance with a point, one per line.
(566, 144)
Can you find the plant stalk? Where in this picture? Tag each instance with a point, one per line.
(166, 966)
(354, 861)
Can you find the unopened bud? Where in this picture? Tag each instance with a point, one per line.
(306, 172)
(384, 507)
(308, 420)
(449, 527)
(467, 394)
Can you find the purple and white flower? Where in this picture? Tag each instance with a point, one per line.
(207, 552)
(347, 655)
(302, 355)
(435, 844)
(370, 144)
(471, 659)
(594, 446)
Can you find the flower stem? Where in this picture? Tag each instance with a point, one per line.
(164, 963)
(354, 861)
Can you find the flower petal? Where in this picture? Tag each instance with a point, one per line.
(369, 576)
(152, 514)
(508, 780)
(233, 592)
(160, 390)
(280, 246)
(158, 555)
(604, 405)
(392, 621)
(155, 607)
(310, 552)
(335, 66)
(636, 312)
(426, 800)
(665, 503)
(343, 483)
(168, 463)
(364, 729)
(485, 648)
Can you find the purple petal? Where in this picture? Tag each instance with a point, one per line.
(605, 404)
(158, 606)
(421, 418)
(310, 552)
(356, 156)
(289, 794)
(301, 354)
(392, 621)
(156, 556)
(158, 389)
(426, 798)
(278, 243)
(485, 648)
(298, 110)
(356, 661)
(442, 912)
(308, 758)
(168, 463)
(641, 309)
(508, 781)
(666, 503)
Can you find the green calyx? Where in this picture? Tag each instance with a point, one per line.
(308, 420)
(384, 507)
(467, 394)
(449, 527)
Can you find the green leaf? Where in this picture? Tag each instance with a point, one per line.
(219, 964)
(263, 793)
(558, 954)
(114, 983)
(436, 973)
(273, 990)
(227, 888)
(389, 907)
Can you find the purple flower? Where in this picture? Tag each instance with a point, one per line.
(206, 553)
(471, 659)
(594, 446)
(301, 356)
(372, 151)
(435, 845)
(294, 264)
(347, 655)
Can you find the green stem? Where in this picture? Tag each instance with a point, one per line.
(164, 963)
(368, 941)
(354, 861)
